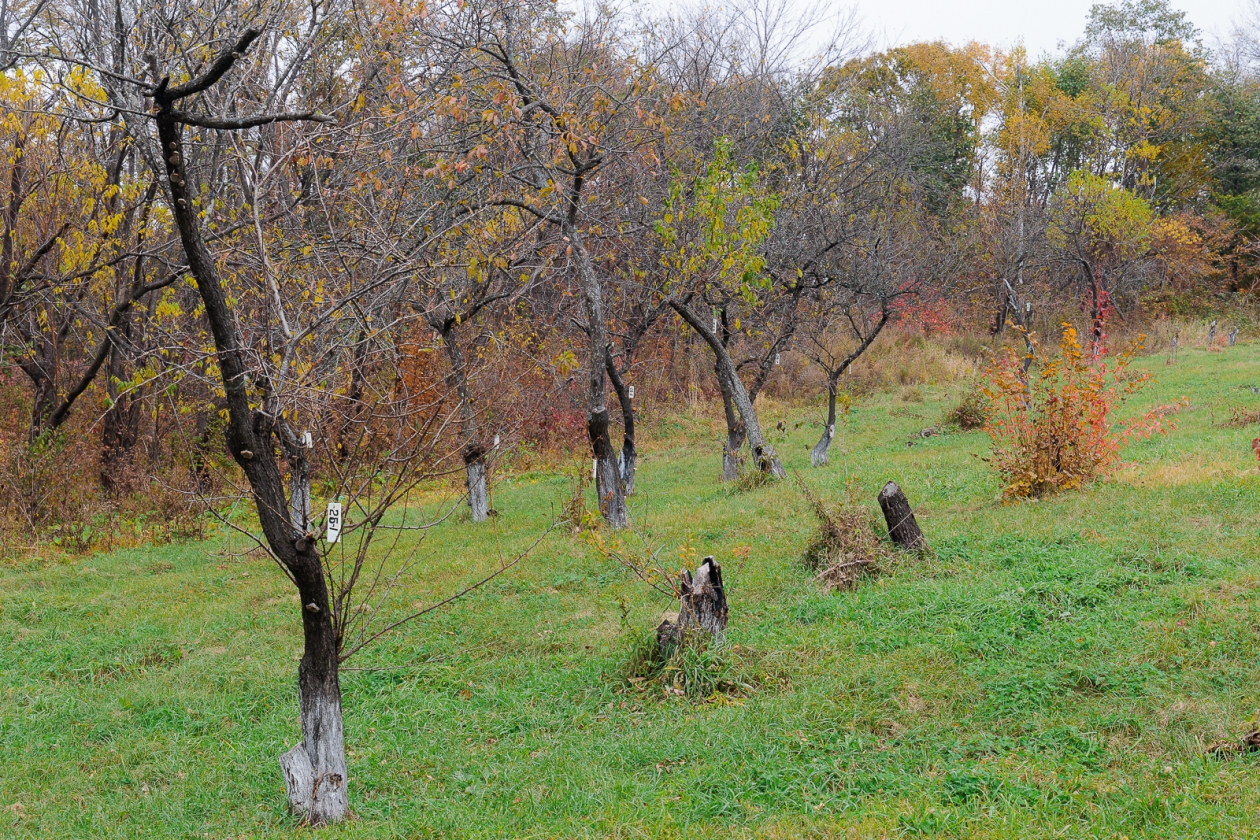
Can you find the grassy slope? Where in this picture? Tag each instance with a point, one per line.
(1055, 670)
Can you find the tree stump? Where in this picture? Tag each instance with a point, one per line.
(1233, 336)
(1211, 334)
(902, 527)
(701, 606)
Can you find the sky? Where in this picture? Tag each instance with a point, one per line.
(1039, 24)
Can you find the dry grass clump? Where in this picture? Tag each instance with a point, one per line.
(846, 545)
(972, 411)
(750, 479)
(576, 514)
(699, 670)
(1240, 418)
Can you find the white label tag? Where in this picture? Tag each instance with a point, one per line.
(307, 443)
(496, 441)
(594, 469)
(776, 358)
(332, 525)
(631, 392)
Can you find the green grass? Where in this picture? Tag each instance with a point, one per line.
(1056, 669)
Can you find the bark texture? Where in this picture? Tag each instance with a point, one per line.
(628, 457)
(474, 452)
(702, 606)
(734, 431)
(702, 603)
(478, 496)
(818, 455)
(902, 527)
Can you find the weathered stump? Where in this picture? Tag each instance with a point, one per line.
(1211, 334)
(902, 527)
(1233, 336)
(701, 606)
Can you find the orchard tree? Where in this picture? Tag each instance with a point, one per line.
(310, 311)
(562, 102)
(1103, 233)
(711, 235)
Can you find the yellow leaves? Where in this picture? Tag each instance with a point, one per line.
(565, 362)
(168, 309)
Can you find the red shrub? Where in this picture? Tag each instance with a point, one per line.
(1056, 428)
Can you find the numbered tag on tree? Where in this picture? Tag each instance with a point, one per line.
(332, 524)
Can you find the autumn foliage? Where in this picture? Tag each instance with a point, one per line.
(1055, 427)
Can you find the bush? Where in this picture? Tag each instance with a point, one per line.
(1054, 428)
(972, 411)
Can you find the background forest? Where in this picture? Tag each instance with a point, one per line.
(310, 283)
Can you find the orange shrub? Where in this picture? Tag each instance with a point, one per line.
(1054, 428)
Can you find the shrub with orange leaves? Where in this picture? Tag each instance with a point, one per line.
(1054, 427)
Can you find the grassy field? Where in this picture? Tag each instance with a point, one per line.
(1057, 668)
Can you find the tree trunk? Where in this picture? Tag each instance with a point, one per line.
(626, 460)
(318, 784)
(299, 490)
(902, 527)
(474, 452)
(608, 484)
(734, 431)
(478, 494)
(763, 453)
(120, 428)
(43, 378)
(315, 770)
(818, 456)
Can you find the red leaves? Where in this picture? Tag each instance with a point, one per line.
(1056, 429)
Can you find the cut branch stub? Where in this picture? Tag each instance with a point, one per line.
(902, 527)
(701, 605)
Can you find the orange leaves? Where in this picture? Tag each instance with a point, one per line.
(1056, 429)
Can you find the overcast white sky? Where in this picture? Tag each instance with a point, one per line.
(1040, 24)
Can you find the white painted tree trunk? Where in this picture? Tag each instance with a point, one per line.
(818, 456)
(315, 770)
(300, 495)
(627, 461)
(478, 497)
(612, 496)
